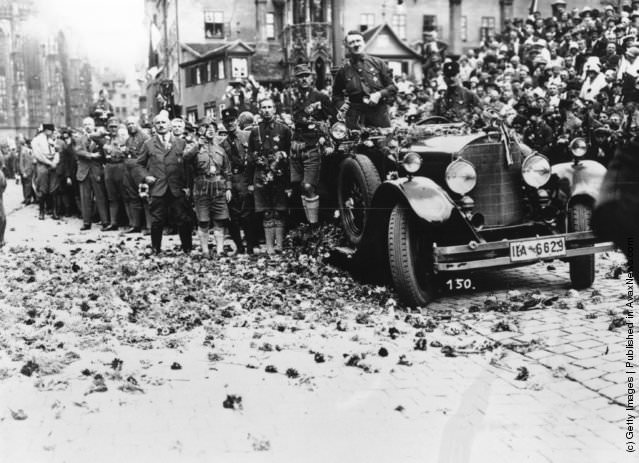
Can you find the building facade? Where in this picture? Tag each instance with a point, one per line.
(39, 79)
(198, 49)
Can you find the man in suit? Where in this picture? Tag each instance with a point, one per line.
(134, 205)
(161, 166)
(90, 174)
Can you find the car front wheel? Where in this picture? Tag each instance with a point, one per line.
(410, 255)
(358, 179)
(582, 268)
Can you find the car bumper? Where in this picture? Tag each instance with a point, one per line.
(497, 253)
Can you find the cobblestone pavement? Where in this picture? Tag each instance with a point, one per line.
(552, 391)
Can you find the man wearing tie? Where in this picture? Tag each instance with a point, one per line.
(161, 167)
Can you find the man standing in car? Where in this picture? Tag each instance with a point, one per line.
(363, 87)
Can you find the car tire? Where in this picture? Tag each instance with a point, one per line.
(410, 258)
(357, 182)
(582, 268)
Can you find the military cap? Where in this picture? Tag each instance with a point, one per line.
(602, 131)
(229, 114)
(48, 127)
(301, 70)
(451, 69)
(113, 121)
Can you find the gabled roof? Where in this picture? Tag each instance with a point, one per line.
(383, 42)
(202, 51)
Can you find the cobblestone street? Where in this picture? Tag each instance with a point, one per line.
(553, 389)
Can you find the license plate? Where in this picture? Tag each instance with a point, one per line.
(537, 249)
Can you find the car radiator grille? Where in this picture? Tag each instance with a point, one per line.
(498, 195)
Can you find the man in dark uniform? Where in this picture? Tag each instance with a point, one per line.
(241, 207)
(101, 110)
(310, 107)
(269, 147)
(113, 171)
(161, 166)
(457, 103)
(367, 83)
(538, 135)
(90, 175)
(133, 204)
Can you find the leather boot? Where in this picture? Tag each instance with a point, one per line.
(41, 202)
(269, 236)
(156, 238)
(57, 207)
(218, 233)
(203, 235)
(311, 208)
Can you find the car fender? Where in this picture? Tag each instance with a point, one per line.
(428, 200)
(579, 180)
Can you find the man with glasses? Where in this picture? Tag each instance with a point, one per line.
(367, 83)
(310, 107)
(161, 166)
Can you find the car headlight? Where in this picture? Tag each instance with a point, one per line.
(339, 131)
(461, 176)
(578, 147)
(411, 162)
(535, 170)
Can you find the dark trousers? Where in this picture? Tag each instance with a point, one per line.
(168, 206)
(3, 221)
(114, 182)
(27, 188)
(92, 188)
(242, 215)
(367, 116)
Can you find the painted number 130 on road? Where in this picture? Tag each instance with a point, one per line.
(537, 249)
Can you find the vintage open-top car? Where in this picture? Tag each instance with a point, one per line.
(434, 198)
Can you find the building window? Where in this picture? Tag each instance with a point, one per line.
(191, 114)
(214, 24)
(220, 69)
(204, 73)
(270, 26)
(464, 29)
(239, 68)
(399, 25)
(317, 11)
(366, 21)
(209, 110)
(429, 23)
(198, 75)
(487, 28)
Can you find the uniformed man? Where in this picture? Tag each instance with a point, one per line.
(90, 174)
(114, 171)
(101, 110)
(47, 158)
(310, 106)
(457, 103)
(363, 86)
(211, 188)
(135, 206)
(241, 207)
(268, 168)
(161, 166)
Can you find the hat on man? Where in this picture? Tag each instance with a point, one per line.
(302, 70)
(229, 114)
(451, 69)
(113, 122)
(633, 51)
(48, 127)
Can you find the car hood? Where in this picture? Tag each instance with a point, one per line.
(452, 144)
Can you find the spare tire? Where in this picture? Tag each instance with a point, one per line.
(357, 182)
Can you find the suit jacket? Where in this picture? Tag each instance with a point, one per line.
(166, 165)
(86, 165)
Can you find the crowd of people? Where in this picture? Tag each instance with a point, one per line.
(574, 74)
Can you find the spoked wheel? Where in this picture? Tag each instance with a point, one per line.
(410, 255)
(582, 268)
(357, 182)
